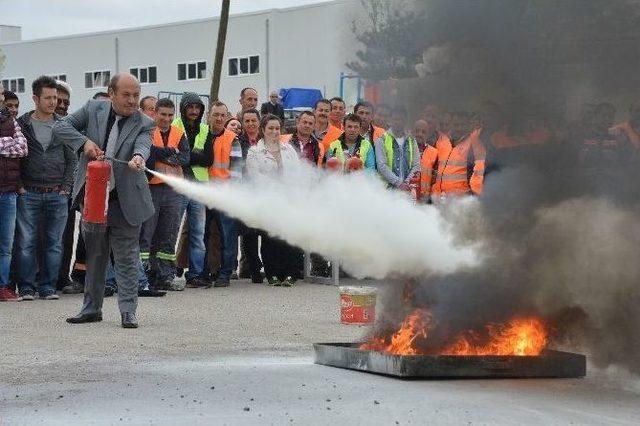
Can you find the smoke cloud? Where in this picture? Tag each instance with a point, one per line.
(374, 232)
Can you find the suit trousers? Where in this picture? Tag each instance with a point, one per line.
(121, 238)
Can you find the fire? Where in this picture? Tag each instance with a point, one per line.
(415, 325)
(518, 336)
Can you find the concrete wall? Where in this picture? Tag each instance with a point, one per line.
(305, 48)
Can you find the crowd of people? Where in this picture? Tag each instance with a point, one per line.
(155, 235)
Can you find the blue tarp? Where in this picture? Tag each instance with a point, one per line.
(299, 98)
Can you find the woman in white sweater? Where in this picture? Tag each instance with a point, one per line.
(270, 158)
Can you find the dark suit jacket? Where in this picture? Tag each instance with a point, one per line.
(269, 108)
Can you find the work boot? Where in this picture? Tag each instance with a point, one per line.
(73, 288)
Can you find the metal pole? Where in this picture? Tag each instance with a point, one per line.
(267, 62)
(222, 38)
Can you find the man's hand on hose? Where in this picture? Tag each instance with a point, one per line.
(136, 163)
(93, 151)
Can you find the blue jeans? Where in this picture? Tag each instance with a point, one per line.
(229, 233)
(7, 229)
(52, 209)
(143, 282)
(196, 218)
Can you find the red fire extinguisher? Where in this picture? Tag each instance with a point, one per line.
(96, 194)
(414, 183)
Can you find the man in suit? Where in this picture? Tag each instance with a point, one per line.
(100, 131)
(273, 106)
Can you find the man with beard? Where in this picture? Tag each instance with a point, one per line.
(201, 158)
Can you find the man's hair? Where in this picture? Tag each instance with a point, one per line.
(43, 82)
(363, 104)
(352, 117)
(145, 99)
(8, 96)
(62, 86)
(322, 101)
(250, 111)
(309, 113)
(243, 91)
(218, 104)
(337, 98)
(100, 95)
(164, 103)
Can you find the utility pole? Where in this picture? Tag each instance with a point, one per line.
(217, 65)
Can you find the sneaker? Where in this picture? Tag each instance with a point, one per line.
(234, 276)
(28, 296)
(274, 281)
(73, 288)
(51, 296)
(177, 285)
(257, 279)
(221, 283)
(288, 282)
(8, 295)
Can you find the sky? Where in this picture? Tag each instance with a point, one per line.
(51, 18)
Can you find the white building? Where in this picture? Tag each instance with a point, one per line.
(305, 46)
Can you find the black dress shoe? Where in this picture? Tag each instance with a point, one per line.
(84, 318)
(129, 320)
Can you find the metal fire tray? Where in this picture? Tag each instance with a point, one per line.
(550, 364)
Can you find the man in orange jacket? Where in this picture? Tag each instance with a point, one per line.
(169, 154)
(324, 131)
(461, 160)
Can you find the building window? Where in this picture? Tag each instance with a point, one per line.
(145, 74)
(192, 71)
(93, 79)
(61, 77)
(244, 65)
(16, 85)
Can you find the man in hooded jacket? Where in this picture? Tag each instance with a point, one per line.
(201, 158)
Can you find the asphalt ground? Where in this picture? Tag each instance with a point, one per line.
(243, 355)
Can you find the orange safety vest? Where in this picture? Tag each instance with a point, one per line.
(453, 172)
(632, 135)
(287, 139)
(333, 133)
(222, 155)
(377, 133)
(428, 164)
(175, 134)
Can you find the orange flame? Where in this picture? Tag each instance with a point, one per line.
(518, 336)
(415, 325)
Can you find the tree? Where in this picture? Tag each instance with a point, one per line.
(222, 38)
(392, 37)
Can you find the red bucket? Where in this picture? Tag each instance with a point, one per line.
(357, 305)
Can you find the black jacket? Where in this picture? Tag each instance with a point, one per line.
(197, 157)
(269, 108)
(50, 168)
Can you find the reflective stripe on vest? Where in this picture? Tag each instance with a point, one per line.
(199, 172)
(388, 148)
(336, 147)
(175, 135)
(453, 167)
(222, 155)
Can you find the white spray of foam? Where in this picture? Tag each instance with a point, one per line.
(374, 232)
